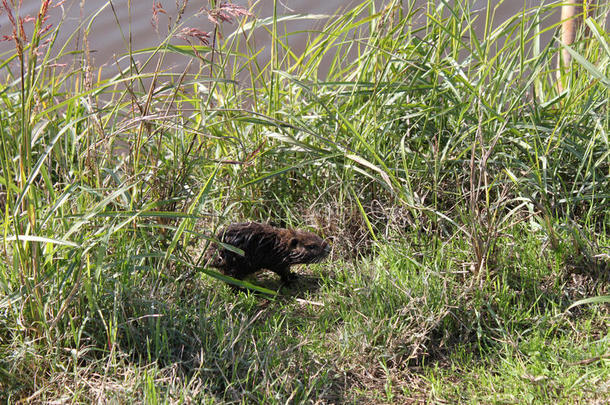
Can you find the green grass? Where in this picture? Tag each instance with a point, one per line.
(467, 201)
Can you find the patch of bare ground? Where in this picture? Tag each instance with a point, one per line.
(379, 384)
(349, 227)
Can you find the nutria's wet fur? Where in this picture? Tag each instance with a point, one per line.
(265, 247)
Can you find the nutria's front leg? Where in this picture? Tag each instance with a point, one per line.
(286, 275)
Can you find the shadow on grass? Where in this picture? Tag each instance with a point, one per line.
(238, 345)
(484, 320)
(248, 346)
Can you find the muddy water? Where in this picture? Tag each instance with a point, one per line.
(120, 25)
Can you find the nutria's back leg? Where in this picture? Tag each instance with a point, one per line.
(238, 273)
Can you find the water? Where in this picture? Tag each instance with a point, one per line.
(121, 25)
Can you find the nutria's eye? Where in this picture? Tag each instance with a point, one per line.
(294, 242)
(310, 247)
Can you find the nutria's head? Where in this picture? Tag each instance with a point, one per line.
(306, 247)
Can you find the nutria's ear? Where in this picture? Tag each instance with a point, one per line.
(293, 243)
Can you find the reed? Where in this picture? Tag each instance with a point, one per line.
(465, 193)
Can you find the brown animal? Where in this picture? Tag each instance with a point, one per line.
(265, 247)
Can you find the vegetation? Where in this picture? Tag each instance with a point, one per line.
(467, 199)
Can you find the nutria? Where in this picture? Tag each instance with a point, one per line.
(265, 247)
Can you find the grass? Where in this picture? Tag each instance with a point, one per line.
(465, 195)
